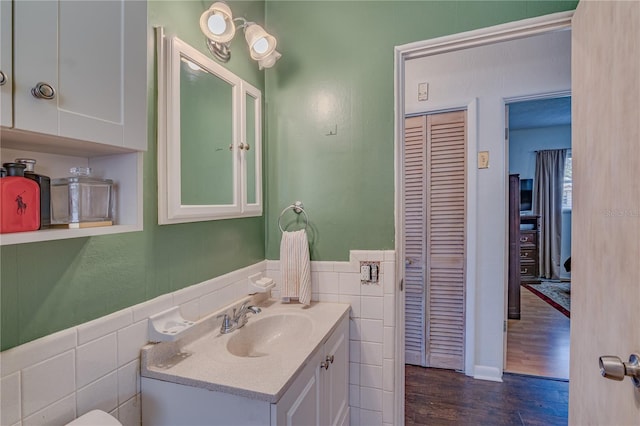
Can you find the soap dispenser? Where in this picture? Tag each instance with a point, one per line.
(44, 182)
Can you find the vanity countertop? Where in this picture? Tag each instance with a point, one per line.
(203, 360)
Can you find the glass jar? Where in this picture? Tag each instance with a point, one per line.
(81, 198)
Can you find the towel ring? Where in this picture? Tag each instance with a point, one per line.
(298, 208)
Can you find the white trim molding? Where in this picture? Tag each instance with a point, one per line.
(466, 40)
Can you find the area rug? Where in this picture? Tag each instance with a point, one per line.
(555, 293)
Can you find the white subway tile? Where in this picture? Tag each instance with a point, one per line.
(389, 278)
(354, 301)
(366, 256)
(371, 330)
(354, 395)
(274, 265)
(47, 382)
(95, 359)
(129, 413)
(354, 416)
(389, 310)
(151, 307)
(128, 381)
(321, 266)
(370, 418)
(349, 283)
(354, 351)
(346, 267)
(315, 297)
(190, 310)
(371, 399)
(374, 289)
(372, 307)
(130, 340)
(354, 329)
(209, 303)
(371, 376)
(315, 282)
(36, 351)
(328, 282)
(354, 373)
(389, 344)
(99, 395)
(387, 407)
(10, 400)
(59, 413)
(188, 294)
(331, 298)
(388, 372)
(105, 325)
(371, 353)
(389, 255)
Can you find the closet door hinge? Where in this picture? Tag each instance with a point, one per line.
(506, 133)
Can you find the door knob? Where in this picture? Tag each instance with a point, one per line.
(612, 367)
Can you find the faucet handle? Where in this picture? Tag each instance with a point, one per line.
(226, 324)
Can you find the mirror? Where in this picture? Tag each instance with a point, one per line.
(209, 138)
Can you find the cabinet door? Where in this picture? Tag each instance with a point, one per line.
(93, 55)
(251, 142)
(336, 377)
(6, 65)
(300, 405)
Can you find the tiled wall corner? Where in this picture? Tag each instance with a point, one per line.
(371, 331)
(96, 365)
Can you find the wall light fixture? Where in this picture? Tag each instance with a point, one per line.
(219, 27)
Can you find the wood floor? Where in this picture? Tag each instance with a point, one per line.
(538, 343)
(445, 397)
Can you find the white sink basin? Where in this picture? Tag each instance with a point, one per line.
(272, 335)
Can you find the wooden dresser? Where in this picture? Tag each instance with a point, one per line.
(529, 240)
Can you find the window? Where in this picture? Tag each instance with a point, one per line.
(567, 184)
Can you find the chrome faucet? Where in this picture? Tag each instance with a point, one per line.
(238, 319)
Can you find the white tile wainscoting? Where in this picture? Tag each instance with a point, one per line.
(56, 378)
(372, 329)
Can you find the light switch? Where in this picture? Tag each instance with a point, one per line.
(483, 159)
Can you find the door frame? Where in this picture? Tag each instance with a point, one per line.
(465, 40)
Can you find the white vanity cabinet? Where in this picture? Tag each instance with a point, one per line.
(320, 394)
(79, 70)
(317, 395)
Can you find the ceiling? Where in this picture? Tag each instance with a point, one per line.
(540, 113)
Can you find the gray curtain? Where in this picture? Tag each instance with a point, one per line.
(547, 202)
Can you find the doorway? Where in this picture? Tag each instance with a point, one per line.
(486, 202)
(539, 249)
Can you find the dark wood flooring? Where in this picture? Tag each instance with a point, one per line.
(445, 397)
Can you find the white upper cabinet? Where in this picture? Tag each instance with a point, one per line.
(79, 70)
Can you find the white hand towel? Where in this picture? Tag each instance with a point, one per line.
(295, 266)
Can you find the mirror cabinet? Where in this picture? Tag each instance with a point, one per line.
(209, 138)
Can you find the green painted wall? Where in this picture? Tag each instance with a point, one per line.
(337, 70)
(47, 287)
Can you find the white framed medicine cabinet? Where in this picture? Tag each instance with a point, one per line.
(66, 103)
(209, 138)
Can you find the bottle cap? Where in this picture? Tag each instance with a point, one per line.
(29, 162)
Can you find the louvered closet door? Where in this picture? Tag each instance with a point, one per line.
(415, 137)
(435, 235)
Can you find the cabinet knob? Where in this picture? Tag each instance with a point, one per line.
(247, 147)
(3, 78)
(241, 146)
(329, 359)
(324, 365)
(43, 91)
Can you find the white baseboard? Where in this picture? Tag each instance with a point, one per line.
(482, 372)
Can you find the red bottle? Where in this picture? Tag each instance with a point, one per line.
(19, 201)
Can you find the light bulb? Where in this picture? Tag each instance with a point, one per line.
(261, 45)
(216, 24)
